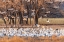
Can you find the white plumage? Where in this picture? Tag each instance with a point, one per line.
(31, 32)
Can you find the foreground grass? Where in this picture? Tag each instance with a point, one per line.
(32, 39)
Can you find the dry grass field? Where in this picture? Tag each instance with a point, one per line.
(43, 21)
(52, 21)
(32, 39)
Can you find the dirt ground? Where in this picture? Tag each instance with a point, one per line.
(31, 26)
(53, 26)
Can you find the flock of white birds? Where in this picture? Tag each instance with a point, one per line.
(31, 32)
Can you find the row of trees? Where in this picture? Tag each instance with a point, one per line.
(34, 8)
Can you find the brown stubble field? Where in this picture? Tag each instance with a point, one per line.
(32, 39)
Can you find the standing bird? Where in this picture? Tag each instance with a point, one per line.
(48, 21)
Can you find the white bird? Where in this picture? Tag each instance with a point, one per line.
(11, 9)
(48, 21)
(38, 25)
